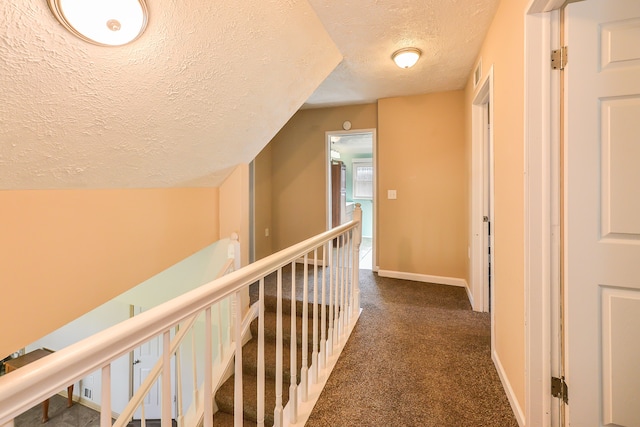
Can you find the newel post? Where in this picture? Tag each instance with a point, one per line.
(233, 251)
(357, 239)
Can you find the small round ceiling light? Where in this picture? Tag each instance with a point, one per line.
(407, 57)
(102, 22)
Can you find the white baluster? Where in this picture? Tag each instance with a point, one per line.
(314, 350)
(166, 379)
(357, 240)
(337, 311)
(293, 346)
(343, 240)
(237, 402)
(261, 367)
(323, 308)
(179, 385)
(219, 331)
(331, 285)
(304, 371)
(232, 316)
(208, 369)
(194, 368)
(277, 412)
(105, 408)
(347, 281)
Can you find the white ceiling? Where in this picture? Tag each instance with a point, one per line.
(352, 143)
(208, 84)
(367, 32)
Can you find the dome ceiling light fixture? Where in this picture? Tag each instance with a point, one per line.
(407, 57)
(102, 22)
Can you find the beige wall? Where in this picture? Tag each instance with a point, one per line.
(65, 252)
(234, 208)
(299, 163)
(421, 156)
(503, 48)
(234, 215)
(263, 205)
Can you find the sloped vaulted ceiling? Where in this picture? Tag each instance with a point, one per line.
(206, 87)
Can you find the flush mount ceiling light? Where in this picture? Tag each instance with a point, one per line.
(407, 57)
(102, 22)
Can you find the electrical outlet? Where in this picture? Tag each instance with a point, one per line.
(392, 195)
(266, 232)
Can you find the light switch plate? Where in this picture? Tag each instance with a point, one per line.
(391, 194)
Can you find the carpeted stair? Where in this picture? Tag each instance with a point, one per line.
(225, 394)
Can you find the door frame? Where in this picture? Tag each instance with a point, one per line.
(174, 371)
(480, 149)
(542, 211)
(374, 160)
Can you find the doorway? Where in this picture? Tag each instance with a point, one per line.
(482, 184)
(351, 179)
(143, 360)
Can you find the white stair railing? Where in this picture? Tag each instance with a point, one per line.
(163, 365)
(335, 290)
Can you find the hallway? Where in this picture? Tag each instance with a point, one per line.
(418, 356)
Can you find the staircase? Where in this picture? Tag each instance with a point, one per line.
(225, 395)
(329, 276)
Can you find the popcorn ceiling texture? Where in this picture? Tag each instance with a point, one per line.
(205, 88)
(449, 33)
(208, 84)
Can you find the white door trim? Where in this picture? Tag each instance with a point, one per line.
(484, 95)
(542, 211)
(374, 159)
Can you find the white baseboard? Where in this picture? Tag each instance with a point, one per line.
(79, 400)
(515, 406)
(469, 294)
(440, 280)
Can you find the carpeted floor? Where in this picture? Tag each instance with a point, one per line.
(418, 356)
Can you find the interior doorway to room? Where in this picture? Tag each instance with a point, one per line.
(483, 229)
(351, 179)
(487, 211)
(143, 359)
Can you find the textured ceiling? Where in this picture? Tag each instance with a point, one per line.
(204, 88)
(448, 32)
(208, 84)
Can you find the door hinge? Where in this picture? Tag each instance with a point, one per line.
(559, 58)
(560, 389)
(485, 219)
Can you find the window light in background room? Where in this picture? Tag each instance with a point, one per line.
(102, 22)
(407, 57)
(362, 178)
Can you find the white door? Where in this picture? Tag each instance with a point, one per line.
(602, 212)
(144, 359)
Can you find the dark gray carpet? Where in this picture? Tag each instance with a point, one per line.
(418, 356)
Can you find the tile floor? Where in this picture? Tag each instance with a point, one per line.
(366, 254)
